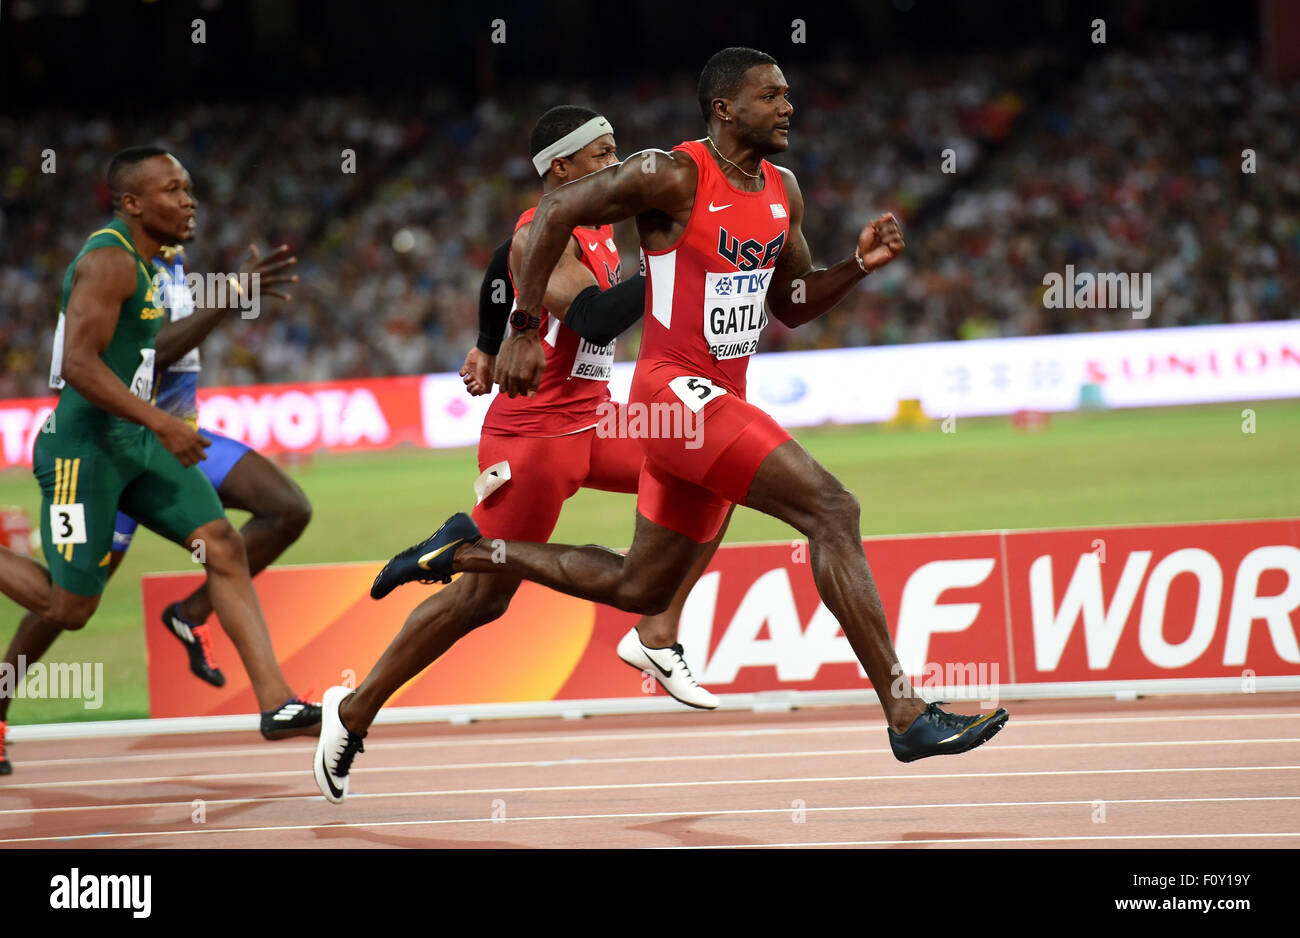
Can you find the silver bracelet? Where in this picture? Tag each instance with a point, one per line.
(858, 257)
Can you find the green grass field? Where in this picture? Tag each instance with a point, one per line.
(1117, 467)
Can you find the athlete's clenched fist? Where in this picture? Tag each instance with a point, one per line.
(880, 242)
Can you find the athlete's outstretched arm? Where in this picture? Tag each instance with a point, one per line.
(569, 277)
(103, 280)
(177, 338)
(800, 292)
(521, 361)
(647, 181)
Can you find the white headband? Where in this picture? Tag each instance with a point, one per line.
(571, 143)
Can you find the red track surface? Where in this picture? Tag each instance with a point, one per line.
(1160, 772)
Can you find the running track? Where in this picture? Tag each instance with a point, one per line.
(1167, 772)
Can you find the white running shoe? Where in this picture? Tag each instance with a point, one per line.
(669, 668)
(337, 748)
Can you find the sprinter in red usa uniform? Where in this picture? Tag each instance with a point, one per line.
(534, 453)
(721, 229)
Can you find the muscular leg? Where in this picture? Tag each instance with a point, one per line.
(794, 487)
(51, 609)
(280, 513)
(432, 627)
(236, 604)
(642, 582)
(660, 631)
(789, 485)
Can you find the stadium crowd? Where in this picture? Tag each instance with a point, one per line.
(394, 207)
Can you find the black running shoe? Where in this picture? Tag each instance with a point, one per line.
(294, 717)
(430, 560)
(940, 733)
(198, 645)
(5, 767)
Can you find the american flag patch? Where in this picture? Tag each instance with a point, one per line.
(609, 243)
(778, 210)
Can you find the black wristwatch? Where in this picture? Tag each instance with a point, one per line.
(522, 322)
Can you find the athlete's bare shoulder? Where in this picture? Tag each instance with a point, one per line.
(793, 194)
(665, 180)
(108, 271)
(652, 181)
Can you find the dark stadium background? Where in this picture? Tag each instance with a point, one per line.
(438, 116)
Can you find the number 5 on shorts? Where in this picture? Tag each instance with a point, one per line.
(68, 524)
(695, 392)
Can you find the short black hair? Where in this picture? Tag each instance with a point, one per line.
(556, 123)
(122, 166)
(724, 72)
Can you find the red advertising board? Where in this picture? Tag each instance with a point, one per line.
(359, 415)
(1001, 608)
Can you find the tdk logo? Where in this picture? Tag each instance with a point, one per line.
(741, 285)
(76, 891)
(749, 254)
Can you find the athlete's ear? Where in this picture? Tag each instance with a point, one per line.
(559, 168)
(130, 204)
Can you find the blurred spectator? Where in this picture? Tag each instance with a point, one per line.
(1133, 166)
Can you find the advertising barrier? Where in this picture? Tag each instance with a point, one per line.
(976, 615)
(984, 377)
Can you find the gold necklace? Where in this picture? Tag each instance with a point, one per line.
(727, 161)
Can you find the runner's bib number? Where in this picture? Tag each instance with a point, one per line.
(735, 311)
(593, 362)
(142, 380)
(68, 524)
(695, 392)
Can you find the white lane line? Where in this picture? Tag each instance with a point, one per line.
(524, 739)
(187, 806)
(817, 779)
(635, 760)
(983, 840)
(640, 815)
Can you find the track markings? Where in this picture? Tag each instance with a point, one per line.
(635, 760)
(597, 737)
(373, 796)
(982, 840)
(721, 812)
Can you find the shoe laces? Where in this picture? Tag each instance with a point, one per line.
(353, 745)
(205, 644)
(679, 654)
(943, 718)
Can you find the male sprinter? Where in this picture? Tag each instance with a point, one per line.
(107, 446)
(721, 229)
(598, 318)
(535, 452)
(243, 478)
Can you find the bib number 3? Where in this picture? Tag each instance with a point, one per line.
(695, 392)
(68, 524)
